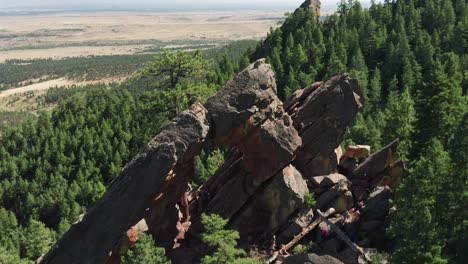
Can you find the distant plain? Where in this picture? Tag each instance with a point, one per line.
(71, 35)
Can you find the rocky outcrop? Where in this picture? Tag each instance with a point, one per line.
(321, 113)
(272, 206)
(246, 116)
(313, 6)
(311, 259)
(357, 152)
(279, 155)
(361, 199)
(152, 173)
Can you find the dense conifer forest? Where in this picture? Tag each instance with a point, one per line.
(411, 60)
(15, 73)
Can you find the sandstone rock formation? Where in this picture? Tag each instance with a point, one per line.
(278, 155)
(313, 6)
(311, 259)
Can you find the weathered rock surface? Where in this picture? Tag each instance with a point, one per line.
(327, 180)
(377, 162)
(327, 199)
(278, 155)
(151, 172)
(347, 166)
(154, 181)
(313, 6)
(296, 225)
(391, 176)
(273, 205)
(357, 152)
(311, 259)
(321, 114)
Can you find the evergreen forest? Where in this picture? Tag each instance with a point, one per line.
(411, 60)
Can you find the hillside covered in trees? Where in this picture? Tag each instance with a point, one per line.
(409, 56)
(411, 60)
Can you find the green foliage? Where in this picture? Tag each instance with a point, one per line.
(206, 164)
(145, 251)
(14, 72)
(36, 240)
(457, 195)
(301, 249)
(400, 118)
(7, 257)
(409, 56)
(420, 226)
(379, 258)
(310, 199)
(55, 95)
(441, 105)
(172, 68)
(9, 237)
(223, 242)
(10, 119)
(54, 167)
(410, 60)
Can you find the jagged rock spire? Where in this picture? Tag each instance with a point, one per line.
(313, 5)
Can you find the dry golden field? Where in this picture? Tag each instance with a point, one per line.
(70, 35)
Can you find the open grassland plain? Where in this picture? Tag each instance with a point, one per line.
(42, 51)
(31, 98)
(68, 35)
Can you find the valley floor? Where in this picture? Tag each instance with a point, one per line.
(71, 35)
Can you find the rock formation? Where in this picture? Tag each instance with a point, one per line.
(279, 154)
(313, 6)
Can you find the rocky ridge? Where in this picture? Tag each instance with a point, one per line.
(280, 153)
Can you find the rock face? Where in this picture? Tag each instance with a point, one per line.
(313, 6)
(152, 172)
(311, 259)
(273, 205)
(279, 154)
(321, 113)
(357, 152)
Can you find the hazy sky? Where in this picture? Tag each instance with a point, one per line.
(160, 3)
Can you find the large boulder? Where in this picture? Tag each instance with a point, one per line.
(321, 113)
(377, 162)
(321, 164)
(357, 152)
(391, 176)
(347, 166)
(153, 182)
(311, 259)
(264, 153)
(328, 199)
(272, 206)
(243, 103)
(296, 225)
(327, 180)
(377, 206)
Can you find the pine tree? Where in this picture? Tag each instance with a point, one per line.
(415, 224)
(145, 251)
(440, 107)
(222, 241)
(375, 92)
(458, 195)
(36, 240)
(400, 117)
